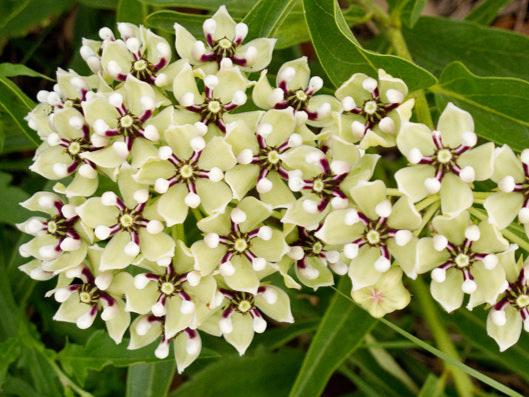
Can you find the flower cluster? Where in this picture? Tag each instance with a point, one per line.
(182, 186)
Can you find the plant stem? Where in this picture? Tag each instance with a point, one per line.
(462, 382)
(427, 202)
(393, 192)
(197, 214)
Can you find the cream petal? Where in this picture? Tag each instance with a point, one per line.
(415, 135)
(264, 47)
(280, 309)
(481, 159)
(362, 270)
(503, 208)
(367, 196)
(453, 228)
(171, 205)
(335, 231)
(215, 196)
(404, 215)
(217, 153)
(207, 259)
(453, 122)
(156, 246)
(272, 250)
(410, 181)
(244, 278)
(325, 277)
(508, 334)
(506, 163)
(428, 258)
(114, 256)
(242, 334)
(491, 240)
(490, 283)
(241, 179)
(117, 326)
(449, 293)
(456, 195)
(300, 79)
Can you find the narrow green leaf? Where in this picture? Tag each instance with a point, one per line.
(432, 387)
(340, 332)
(340, 56)
(101, 351)
(17, 105)
(498, 105)
(164, 20)
(130, 11)
(9, 352)
(277, 337)
(100, 4)
(14, 69)
(486, 10)
(259, 375)
(150, 380)
(10, 197)
(265, 17)
(412, 11)
(436, 42)
(239, 7)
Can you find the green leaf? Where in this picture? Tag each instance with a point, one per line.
(473, 327)
(277, 337)
(259, 375)
(485, 12)
(340, 332)
(17, 105)
(164, 20)
(100, 4)
(340, 55)
(150, 380)
(9, 352)
(14, 69)
(436, 42)
(432, 387)
(265, 17)
(235, 7)
(498, 105)
(411, 12)
(10, 197)
(101, 351)
(130, 11)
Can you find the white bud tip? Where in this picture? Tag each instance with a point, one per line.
(490, 261)
(296, 252)
(469, 286)
(86, 320)
(369, 84)
(164, 152)
(524, 156)
(507, 184)
(76, 122)
(340, 268)
(33, 226)
(74, 272)
(163, 49)
(121, 149)
(432, 185)
(468, 138)
(387, 125)
(439, 242)
(526, 325)
(498, 317)
(193, 346)
(124, 30)
(472, 233)
(239, 98)
(109, 312)
(264, 129)
(339, 203)
(287, 74)
(151, 133)
(332, 256)
(348, 104)
(382, 264)
(258, 264)
(93, 63)
(394, 96)
(245, 156)
(310, 273)
(132, 249)
(161, 80)
(53, 139)
(70, 244)
(523, 215)
(141, 196)
(78, 82)
(439, 275)
(162, 351)
(198, 50)
(215, 174)
(264, 185)
(187, 99)
(192, 200)
(314, 157)
(315, 83)
(351, 217)
(467, 174)
(143, 326)
(350, 250)
(46, 201)
(211, 81)
(198, 143)
(42, 96)
(154, 226)
(105, 33)
(53, 99)
(270, 296)
(201, 127)
(250, 54)
(193, 278)
(115, 99)
(158, 309)
(259, 324)
(113, 68)
(209, 26)
(225, 325)
(358, 129)
(265, 233)
(187, 307)
(403, 237)
(226, 64)
(164, 261)
(241, 30)
(87, 171)
(277, 95)
(339, 167)
(295, 182)
(301, 117)
(238, 216)
(415, 155)
(48, 252)
(226, 269)
(62, 294)
(59, 169)
(212, 240)
(383, 209)
(147, 102)
(295, 140)
(102, 232)
(161, 185)
(310, 206)
(103, 280)
(324, 109)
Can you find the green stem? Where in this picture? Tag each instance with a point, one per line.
(197, 214)
(393, 192)
(67, 382)
(427, 202)
(429, 310)
(178, 232)
(428, 215)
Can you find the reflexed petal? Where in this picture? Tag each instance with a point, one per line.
(99, 108)
(114, 256)
(353, 88)
(491, 240)
(175, 320)
(325, 276)
(406, 256)
(387, 82)
(46, 158)
(218, 223)
(182, 357)
(242, 333)
(207, 259)
(105, 157)
(262, 92)
(230, 81)
(225, 25)
(449, 293)
(242, 178)
(362, 171)
(134, 90)
(456, 195)
(283, 125)
(154, 169)
(61, 121)
(184, 42)
(141, 300)
(241, 136)
(139, 341)
(71, 309)
(280, 195)
(314, 104)
(117, 326)
(509, 333)
(297, 215)
(256, 212)
(184, 82)
(80, 186)
(67, 260)
(116, 50)
(272, 250)
(301, 75)
(217, 153)
(264, 48)
(280, 310)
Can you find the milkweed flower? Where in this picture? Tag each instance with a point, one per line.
(444, 161)
(373, 110)
(223, 44)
